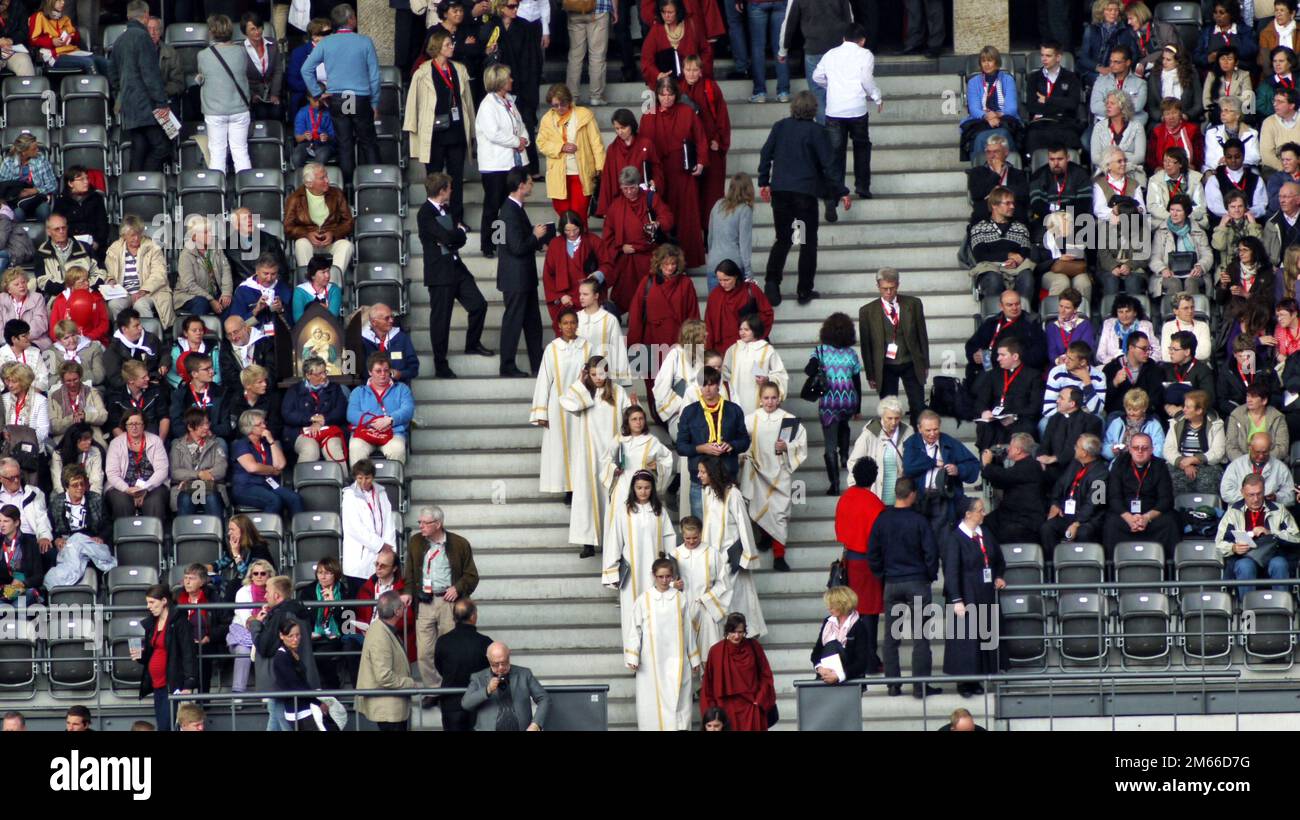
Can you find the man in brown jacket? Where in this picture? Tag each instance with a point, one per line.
(894, 343)
(318, 219)
(439, 571)
(384, 666)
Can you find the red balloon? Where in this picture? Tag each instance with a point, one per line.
(81, 309)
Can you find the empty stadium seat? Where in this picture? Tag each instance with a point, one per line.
(391, 475)
(391, 139)
(319, 483)
(381, 282)
(202, 191)
(1207, 627)
(1024, 564)
(144, 194)
(18, 664)
(85, 100)
(261, 190)
(197, 539)
(272, 226)
(188, 39)
(85, 144)
(1079, 563)
(378, 189)
(266, 141)
(317, 535)
(391, 100)
(127, 585)
(137, 541)
(1142, 616)
(35, 231)
(176, 579)
(1023, 628)
(191, 155)
(1190, 501)
(82, 593)
(124, 674)
(271, 528)
(72, 643)
(1084, 628)
(1268, 624)
(28, 101)
(378, 238)
(1197, 561)
(304, 575)
(1139, 562)
(1185, 17)
(110, 35)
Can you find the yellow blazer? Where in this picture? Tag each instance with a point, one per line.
(591, 151)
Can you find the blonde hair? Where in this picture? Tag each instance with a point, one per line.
(134, 369)
(260, 563)
(1290, 269)
(495, 76)
(74, 276)
(691, 338)
(992, 53)
(251, 375)
(21, 144)
(10, 276)
(1137, 399)
(20, 373)
(1099, 8)
(131, 224)
(1140, 11)
(66, 327)
(1058, 223)
(840, 600)
(740, 191)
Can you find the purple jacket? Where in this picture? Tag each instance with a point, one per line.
(1083, 332)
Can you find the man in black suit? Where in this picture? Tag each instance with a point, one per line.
(1020, 514)
(1134, 369)
(895, 345)
(459, 654)
(1010, 399)
(517, 275)
(1184, 373)
(1053, 102)
(446, 276)
(243, 346)
(1011, 322)
(1078, 498)
(1140, 498)
(1067, 424)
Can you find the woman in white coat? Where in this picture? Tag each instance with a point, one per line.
(594, 407)
(750, 363)
(640, 531)
(562, 364)
(634, 450)
(660, 647)
(778, 445)
(882, 440)
(728, 530)
(502, 144)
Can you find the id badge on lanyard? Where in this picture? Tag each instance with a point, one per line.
(1070, 506)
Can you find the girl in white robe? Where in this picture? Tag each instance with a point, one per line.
(727, 529)
(593, 406)
(659, 645)
(562, 364)
(702, 575)
(640, 532)
(750, 363)
(634, 450)
(778, 445)
(601, 330)
(678, 371)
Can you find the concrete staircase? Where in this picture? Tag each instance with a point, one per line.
(475, 455)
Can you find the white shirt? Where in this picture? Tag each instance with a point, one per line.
(932, 477)
(1214, 196)
(847, 73)
(35, 520)
(533, 10)
(1169, 85)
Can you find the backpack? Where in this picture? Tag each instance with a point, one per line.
(949, 397)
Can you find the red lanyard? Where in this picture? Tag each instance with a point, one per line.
(376, 510)
(1116, 136)
(1286, 82)
(1123, 185)
(263, 453)
(1001, 327)
(989, 88)
(19, 404)
(1227, 86)
(1060, 191)
(1254, 518)
(1124, 363)
(1240, 186)
(1050, 84)
(138, 404)
(10, 547)
(379, 397)
(1065, 337)
(1227, 39)
(201, 401)
(1009, 378)
(979, 539)
(1182, 377)
(1074, 485)
(315, 118)
(445, 75)
(1257, 469)
(74, 402)
(383, 342)
(1144, 38)
(1175, 186)
(892, 313)
(1244, 380)
(137, 457)
(1141, 479)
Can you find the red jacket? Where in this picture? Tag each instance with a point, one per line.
(714, 27)
(406, 626)
(1161, 140)
(724, 311)
(693, 43)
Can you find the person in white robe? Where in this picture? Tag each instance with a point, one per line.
(601, 330)
(727, 529)
(593, 406)
(750, 363)
(562, 364)
(681, 370)
(778, 445)
(635, 449)
(659, 645)
(640, 532)
(702, 574)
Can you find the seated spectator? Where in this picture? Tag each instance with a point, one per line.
(15, 246)
(138, 265)
(18, 348)
(1060, 185)
(131, 342)
(1280, 231)
(1232, 127)
(81, 446)
(243, 347)
(1127, 316)
(28, 182)
(1289, 155)
(1254, 515)
(256, 394)
(379, 412)
(81, 304)
(29, 500)
(22, 565)
(368, 522)
(1173, 81)
(85, 210)
(54, 38)
(198, 468)
(244, 547)
(1062, 264)
(1172, 269)
(1235, 225)
(1052, 103)
(636, 224)
(1228, 29)
(1105, 33)
(317, 288)
(137, 393)
(1261, 460)
(1069, 327)
(1065, 426)
(1002, 249)
(1226, 81)
(14, 32)
(263, 297)
(1116, 182)
(1195, 446)
(1283, 62)
(78, 509)
(995, 172)
(1253, 417)
(1182, 372)
(1280, 31)
(247, 244)
(1140, 498)
(76, 349)
(1176, 177)
(327, 622)
(381, 335)
(1135, 369)
(1119, 129)
(1010, 322)
(1247, 277)
(257, 463)
(74, 402)
(137, 471)
(315, 413)
(18, 302)
(58, 254)
(1136, 419)
(203, 282)
(1279, 129)
(202, 392)
(23, 405)
(1118, 76)
(191, 342)
(992, 106)
(1076, 505)
(313, 133)
(318, 219)
(1286, 335)
(1077, 372)
(1233, 381)
(1008, 399)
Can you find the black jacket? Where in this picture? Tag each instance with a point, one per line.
(517, 256)
(1089, 494)
(1025, 328)
(980, 182)
(442, 240)
(459, 654)
(119, 404)
(297, 408)
(518, 48)
(137, 78)
(820, 24)
(1198, 377)
(1022, 501)
(89, 216)
(902, 547)
(1230, 390)
(14, 27)
(1062, 433)
(797, 159)
(1150, 378)
(97, 523)
(117, 354)
(854, 654)
(266, 639)
(1023, 395)
(218, 409)
(1043, 192)
(268, 404)
(1062, 106)
(1157, 488)
(243, 261)
(182, 657)
(263, 355)
(33, 565)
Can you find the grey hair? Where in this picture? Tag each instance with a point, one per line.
(432, 512)
(1091, 444)
(891, 274)
(310, 171)
(999, 141)
(926, 415)
(1230, 102)
(629, 176)
(131, 224)
(8, 461)
(1113, 152)
(1125, 105)
(137, 10)
(1025, 442)
(389, 604)
(1187, 297)
(889, 404)
(312, 363)
(248, 418)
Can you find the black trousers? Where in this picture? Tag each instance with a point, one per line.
(892, 374)
(441, 298)
(149, 147)
(523, 314)
(156, 504)
(1054, 22)
(1052, 533)
(924, 22)
(1164, 529)
(355, 128)
(393, 726)
(795, 218)
(1009, 530)
(907, 593)
(857, 129)
(456, 719)
(494, 194)
(622, 39)
(449, 156)
(836, 436)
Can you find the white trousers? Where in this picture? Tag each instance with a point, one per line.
(228, 130)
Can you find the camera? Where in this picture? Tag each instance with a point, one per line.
(999, 451)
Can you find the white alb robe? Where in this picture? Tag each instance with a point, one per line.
(674, 368)
(766, 478)
(659, 640)
(596, 423)
(726, 521)
(602, 332)
(643, 452)
(561, 366)
(745, 360)
(705, 574)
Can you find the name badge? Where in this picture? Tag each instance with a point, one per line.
(988, 575)
(891, 351)
(988, 361)
(1135, 506)
(272, 483)
(1070, 506)
(269, 328)
(997, 409)
(455, 114)
(1053, 208)
(395, 355)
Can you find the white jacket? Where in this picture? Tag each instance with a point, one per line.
(499, 129)
(368, 524)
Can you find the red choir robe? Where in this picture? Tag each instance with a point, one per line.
(659, 307)
(669, 129)
(738, 680)
(561, 273)
(712, 104)
(854, 515)
(724, 309)
(625, 225)
(714, 26)
(641, 155)
(693, 42)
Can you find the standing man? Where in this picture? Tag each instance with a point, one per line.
(589, 33)
(460, 653)
(938, 465)
(439, 571)
(895, 344)
(712, 426)
(517, 276)
(447, 277)
(924, 21)
(137, 77)
(1010, 399)
(1020, 514)
(848, 74)
(384, 666)
(820, 23)
(501, 697)
(353, 70)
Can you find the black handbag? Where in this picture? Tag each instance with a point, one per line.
(817, 384)
(839, 576)
(593, 202)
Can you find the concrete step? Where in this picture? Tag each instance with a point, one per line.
(565, 561)
(542, 615)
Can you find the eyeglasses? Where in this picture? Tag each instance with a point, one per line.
(259, 574)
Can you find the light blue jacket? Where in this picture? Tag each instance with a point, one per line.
(975, 97)
(350, 63)
(399, 405)
(1115, 435)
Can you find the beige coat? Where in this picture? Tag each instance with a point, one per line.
(384, 666)
(153, 275)
(422, 102)
(591, 151)
(194, 281)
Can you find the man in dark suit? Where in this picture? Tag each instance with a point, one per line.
(446, 276)
(517, 275)
(1134, 369)
(1053, 101)
(1067, 424)
(1011, 322)
(501, 697)
(695, 441)
(1009, 399)
(1020, 513)
(1078, 498)
(895, 344)
(940, 465)
(459, 654)
(1140, 498)
(1184, 373)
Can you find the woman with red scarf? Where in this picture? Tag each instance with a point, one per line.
(732, 300)
(712, 106)
(738, 679)
(627, 149)
(634, 226)
(854, 516)
(677, 132)
(572, 256)
(674, 36)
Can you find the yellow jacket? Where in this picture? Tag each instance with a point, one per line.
(422, 101)
(591, 151)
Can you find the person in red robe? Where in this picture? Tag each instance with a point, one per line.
(733, 299)
(705, 10)
(670, 127)
(712, 106)
(855, 514)
(628, 244)
(738, 679)
(673, 30)
(563, 271)
(628, 148)
(663, 300)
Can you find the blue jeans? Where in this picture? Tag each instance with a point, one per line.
(4, 260)
(198, 306)
(275, 721)
(1243, 568)
(736, 31)
(810, 62)
(96, 64)
(765, 26)
(274, 501)
(697, 500)
(212, 506)
(162, 713)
